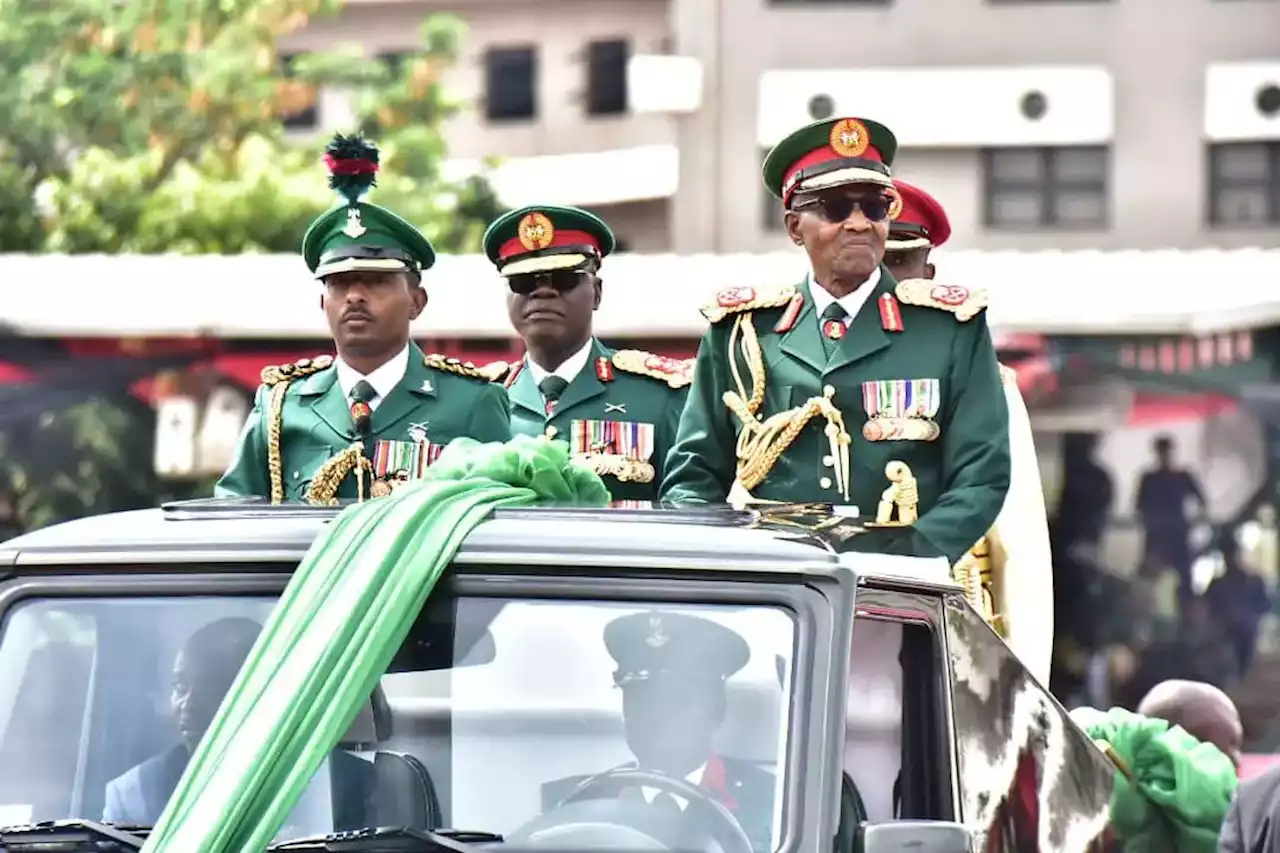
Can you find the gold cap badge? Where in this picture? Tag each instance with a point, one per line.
(657, 636)
(536, 232)
(850, 137)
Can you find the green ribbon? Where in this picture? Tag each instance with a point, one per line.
(341, 619)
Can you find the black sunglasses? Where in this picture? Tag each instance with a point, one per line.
(838, 208)
(562, 281)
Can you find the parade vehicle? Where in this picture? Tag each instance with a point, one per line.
(874, 708)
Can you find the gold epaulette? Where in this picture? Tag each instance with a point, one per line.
(456, 366)
(274, 374)
(496, 371)
(735, 300)
(960, 301)
(1008, 375)
(675, 372)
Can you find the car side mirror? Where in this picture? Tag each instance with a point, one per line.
(916, 836)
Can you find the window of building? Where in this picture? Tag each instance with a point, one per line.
(511, 83)
(306, 118)
(770, 207)
(1244, 184)
(607, 77)
(1045, 187)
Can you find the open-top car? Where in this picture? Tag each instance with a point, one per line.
(641, 679)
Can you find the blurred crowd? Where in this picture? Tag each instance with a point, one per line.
(1120, 630)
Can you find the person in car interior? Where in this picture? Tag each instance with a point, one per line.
(672, 670)
(203, 672)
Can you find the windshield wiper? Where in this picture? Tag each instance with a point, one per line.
(390, 839)
(67, 836)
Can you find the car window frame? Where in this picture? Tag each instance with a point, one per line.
(820, 598)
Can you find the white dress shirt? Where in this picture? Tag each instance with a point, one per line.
(694, 778)
(384, 379)
(852, 302)
(568, 369)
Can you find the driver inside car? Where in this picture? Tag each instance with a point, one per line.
(672, 671)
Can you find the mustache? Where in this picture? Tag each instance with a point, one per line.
(356, 313)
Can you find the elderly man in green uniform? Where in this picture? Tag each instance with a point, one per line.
(1010, 570)
(788, 376)
(672, 671)
(322, 430)
(617, 409)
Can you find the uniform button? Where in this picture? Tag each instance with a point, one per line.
(295, 475)
(829, 461)
(551, 432)
(825, 482)
(828, 390)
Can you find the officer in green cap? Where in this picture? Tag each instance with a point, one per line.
(848, 388)
(672, 671)
(617, 409)
(323, 429)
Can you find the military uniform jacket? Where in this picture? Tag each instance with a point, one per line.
(437, 401)
(620, 413)
(905, 351)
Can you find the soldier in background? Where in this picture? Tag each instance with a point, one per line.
(617, 409)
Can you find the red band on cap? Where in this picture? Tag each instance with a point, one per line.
(514, 247)
(923, 211)
(817, 157)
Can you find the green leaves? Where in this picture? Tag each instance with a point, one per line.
(156, 127)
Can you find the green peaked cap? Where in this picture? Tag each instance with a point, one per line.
(358, 235)
(834, 151)
(546, 237)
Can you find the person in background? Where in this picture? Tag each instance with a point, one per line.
(1238, 599)
(1163, 495)
(1252, 824)
(1202, 709)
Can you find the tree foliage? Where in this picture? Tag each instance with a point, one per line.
(156, 126)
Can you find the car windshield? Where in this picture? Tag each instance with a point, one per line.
(490, 717)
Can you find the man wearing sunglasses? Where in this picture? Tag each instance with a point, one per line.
(848, 387)
(618, 410)
(323, 429)
(1015, 552)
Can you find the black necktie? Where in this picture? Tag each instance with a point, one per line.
(833, 327)
(362, 394)
(552, 387)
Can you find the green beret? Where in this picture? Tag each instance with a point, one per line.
(661, 642)
(546, 237)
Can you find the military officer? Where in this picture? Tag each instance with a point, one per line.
(323, 429)
(672, 670)
(617, 409)
(848, 382)
(1013, 560)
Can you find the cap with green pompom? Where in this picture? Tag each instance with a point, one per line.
(358, 235)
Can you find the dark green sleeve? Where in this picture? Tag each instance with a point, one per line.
(700, 466)
(667, 429)
(491, 415)
(975, 448)
(247, 475)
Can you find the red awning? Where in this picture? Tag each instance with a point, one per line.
(1160, 409)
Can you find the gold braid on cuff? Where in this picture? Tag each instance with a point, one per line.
(762, 442)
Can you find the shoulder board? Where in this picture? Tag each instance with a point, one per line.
(734, 300)
(960, 301)
(496, 371)
(675, 372)
(455, 366)
(1008, 375)
(276, 373)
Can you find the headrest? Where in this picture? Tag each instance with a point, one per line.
(372, 723)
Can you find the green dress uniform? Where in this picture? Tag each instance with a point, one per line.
(620, 413)
(305, 440)
(902, 416)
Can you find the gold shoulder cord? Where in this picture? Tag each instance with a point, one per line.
(277, 377)
(323, 490)
(762, 443)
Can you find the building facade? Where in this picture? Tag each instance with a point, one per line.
(1040, 124)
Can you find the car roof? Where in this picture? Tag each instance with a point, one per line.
(212, 532)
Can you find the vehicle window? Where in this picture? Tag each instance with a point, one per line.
(873, 716)
(491, 715)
